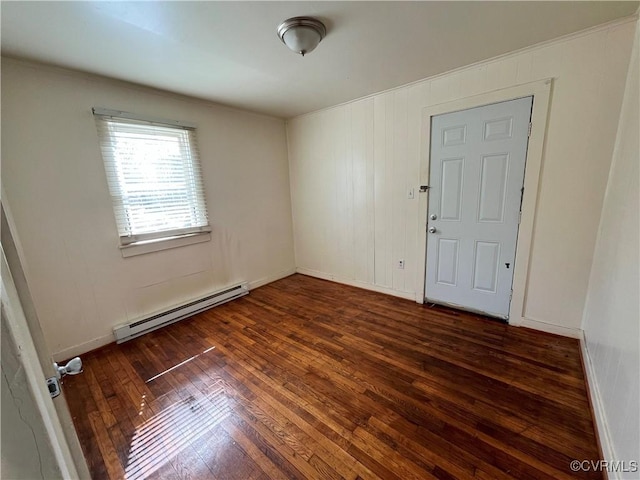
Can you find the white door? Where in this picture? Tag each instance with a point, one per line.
(476, 186)
(26, 362)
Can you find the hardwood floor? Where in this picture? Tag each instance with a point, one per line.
(305, 378)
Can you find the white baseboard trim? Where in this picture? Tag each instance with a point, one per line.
(271, 278)
(550, 328)
(602, 427)
(356, 283)
(85, 347)
(82, 348)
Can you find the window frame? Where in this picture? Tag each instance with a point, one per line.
(188, 161)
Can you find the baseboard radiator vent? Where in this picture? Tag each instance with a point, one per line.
(135, 329)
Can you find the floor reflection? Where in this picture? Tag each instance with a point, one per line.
(164, 435)
(178, 365)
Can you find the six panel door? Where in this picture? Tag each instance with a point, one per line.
(476, 178)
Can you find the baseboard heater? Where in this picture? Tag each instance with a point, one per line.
(137, 328)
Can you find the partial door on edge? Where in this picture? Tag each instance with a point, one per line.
(476, 185)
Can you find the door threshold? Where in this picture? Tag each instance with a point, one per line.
(459, 308)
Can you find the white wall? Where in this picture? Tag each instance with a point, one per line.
(612, 313)
(351, 166)
(55, 186)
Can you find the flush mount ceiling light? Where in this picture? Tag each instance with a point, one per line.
(301, 34)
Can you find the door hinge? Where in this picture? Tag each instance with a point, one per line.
(529, 132)
(424, 188)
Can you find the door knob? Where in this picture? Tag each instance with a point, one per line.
(433, 216)
(432, 230)
(73, 367)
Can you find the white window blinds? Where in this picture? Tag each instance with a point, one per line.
(154, 177)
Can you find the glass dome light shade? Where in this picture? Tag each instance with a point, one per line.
(301, 34)
(301, 40)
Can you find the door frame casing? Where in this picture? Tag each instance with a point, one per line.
(541, 92)
(29, 361)
(25, 326)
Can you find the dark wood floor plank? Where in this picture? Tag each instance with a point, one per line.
(107, 450)
(269, 468)
(279, 406)
(303, 412)
(304, 378)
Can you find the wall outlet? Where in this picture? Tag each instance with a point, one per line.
(401, 264)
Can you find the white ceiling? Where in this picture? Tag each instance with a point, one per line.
(228, 52)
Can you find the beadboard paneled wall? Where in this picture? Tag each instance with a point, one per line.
(611, 318)
(352, 168)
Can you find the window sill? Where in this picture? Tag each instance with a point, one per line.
(149, 246)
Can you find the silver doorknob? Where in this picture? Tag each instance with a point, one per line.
(433, 216)
(432, 229)
(73, 367)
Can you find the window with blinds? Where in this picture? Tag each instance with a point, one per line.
(154, 177)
